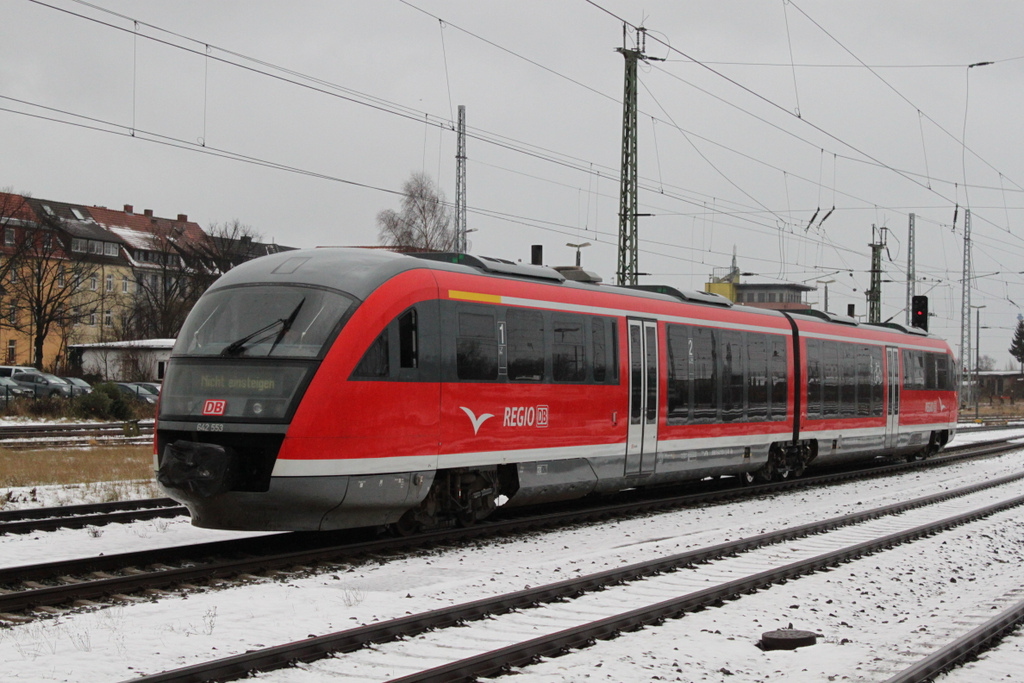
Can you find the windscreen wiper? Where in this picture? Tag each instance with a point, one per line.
(238, 346)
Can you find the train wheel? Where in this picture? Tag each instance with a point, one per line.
(748, 478)
(407, 525)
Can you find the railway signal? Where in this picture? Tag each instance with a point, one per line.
(919, 312)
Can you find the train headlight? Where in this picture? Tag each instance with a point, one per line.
(265, 408)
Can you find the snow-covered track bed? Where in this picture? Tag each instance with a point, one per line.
(491, 636)
(983, 639)
(52, 588)
(29, 520)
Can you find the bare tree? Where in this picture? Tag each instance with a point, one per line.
(46, 287)
(226, 246)
(424, 222)
(165, 289)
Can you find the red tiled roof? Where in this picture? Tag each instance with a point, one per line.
(146, 223)
(15, 206)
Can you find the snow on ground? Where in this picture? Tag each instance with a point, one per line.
(117, 643)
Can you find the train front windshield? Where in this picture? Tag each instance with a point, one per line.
(245, 353)
(262, 321)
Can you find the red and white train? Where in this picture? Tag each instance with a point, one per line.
(338, 388)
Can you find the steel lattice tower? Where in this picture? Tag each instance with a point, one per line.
(874, 294)
(461, 244)
(627, 271)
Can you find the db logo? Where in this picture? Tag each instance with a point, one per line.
(214, 406)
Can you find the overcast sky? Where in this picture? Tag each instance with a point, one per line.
(763, 115)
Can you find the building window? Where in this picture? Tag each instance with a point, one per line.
(92, 318)
(94, 283)
(60, 278)
(12, 314)
(109, 249)
(124, 284)
(108, 318)
(79, 245)
(78, 214)
(110, 282)
(12, 351)
(9, 236)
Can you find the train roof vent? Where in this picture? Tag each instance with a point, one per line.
(829, 317)
(577, 274)
(493, 265)
(689, 297)
(906, 329)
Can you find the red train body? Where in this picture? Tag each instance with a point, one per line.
(336, 388)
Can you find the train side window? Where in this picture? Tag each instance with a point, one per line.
(704, 374)
(830, 372)
(931, 380)
(864, 391)
(778, 367)
(679, 360)
(757, 376)
(877, 385)
(476, 349)
(848, 383)
(942, 372)
(815, 383)
(732, 376)
(913, 370)
(600, 345)
(525, 345)
(408, 341)
(568, 355)
(375, 363)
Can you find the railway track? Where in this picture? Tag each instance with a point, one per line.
(76, 434)
(576, 613)
(27, 590)
(967, 647)
(30, 520)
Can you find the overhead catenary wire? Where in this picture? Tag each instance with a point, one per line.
(789, 172)
(356, 97)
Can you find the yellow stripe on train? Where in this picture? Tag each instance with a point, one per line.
(474, 296)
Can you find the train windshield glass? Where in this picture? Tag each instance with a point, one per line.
(262, 321)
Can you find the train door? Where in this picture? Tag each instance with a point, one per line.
(892, 411)
(642, 436)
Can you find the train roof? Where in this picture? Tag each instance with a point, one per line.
(359, 272)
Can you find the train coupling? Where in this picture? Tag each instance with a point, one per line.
(204, 469)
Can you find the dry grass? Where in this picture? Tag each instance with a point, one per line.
(75, 466)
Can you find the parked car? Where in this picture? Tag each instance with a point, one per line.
(136, 392)
(42, 384)
(8, 370)
(78, 385)
(153, 387)
(10, 389)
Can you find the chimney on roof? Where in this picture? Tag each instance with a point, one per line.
(128, 208)
(182, 218)
(148, 212)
